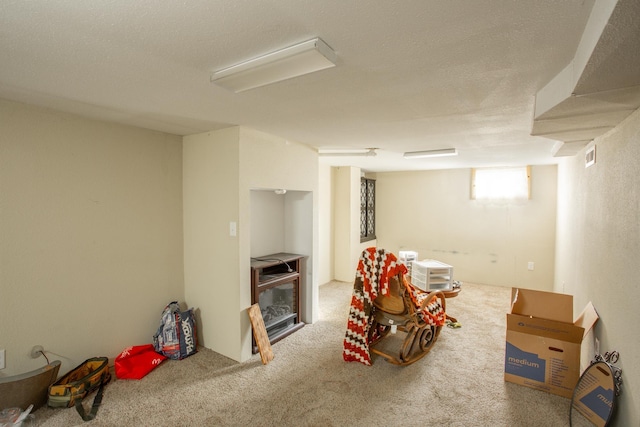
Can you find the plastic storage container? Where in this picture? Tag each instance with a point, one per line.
(432, 275)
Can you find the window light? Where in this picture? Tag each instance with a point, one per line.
(501, 183)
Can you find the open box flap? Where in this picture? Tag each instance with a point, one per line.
(543, 328)
(587, 318)
(543, 305)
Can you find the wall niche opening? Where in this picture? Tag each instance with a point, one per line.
(281, 236)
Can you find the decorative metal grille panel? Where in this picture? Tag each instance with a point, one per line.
(363, 208)
(367, 209)
(371, 206)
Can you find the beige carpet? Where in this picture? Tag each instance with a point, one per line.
(459, 383)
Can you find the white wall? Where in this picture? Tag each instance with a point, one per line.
(431, 212)
(598, 248)
(90, 235)
(325, 225)
(267, 222)
(222, 171)
(211, 266)
(301, 237)
(346, 233)
(268, 161)
(284, 223)
(299, 224)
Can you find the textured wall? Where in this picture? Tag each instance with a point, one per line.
(431, 212)
(598, 247)
(211, 255)
(221, 170)
(90, 235)
(326, 239)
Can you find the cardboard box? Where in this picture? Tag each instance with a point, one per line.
(544, 341)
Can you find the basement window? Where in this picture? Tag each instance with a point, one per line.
(501, 183)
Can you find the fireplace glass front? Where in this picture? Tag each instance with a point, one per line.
(278, 308)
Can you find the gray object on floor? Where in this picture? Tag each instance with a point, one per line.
(30, 388)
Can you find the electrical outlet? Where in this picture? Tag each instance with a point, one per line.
(2, 354)
(530, 265)
(36, 351)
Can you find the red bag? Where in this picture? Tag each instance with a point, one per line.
(137, 361)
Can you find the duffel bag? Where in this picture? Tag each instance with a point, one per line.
(69, 390)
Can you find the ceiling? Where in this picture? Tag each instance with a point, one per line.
(481, 76)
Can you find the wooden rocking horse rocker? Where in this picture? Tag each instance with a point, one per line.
(384, 301)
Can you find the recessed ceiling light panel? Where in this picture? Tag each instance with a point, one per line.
(293, 61)
(368, 152)
(431, 153)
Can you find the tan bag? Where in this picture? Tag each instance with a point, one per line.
(69, 390)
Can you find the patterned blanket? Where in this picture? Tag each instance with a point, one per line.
(375, 267)
(434, 314)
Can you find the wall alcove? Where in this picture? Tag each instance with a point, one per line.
(282, 222)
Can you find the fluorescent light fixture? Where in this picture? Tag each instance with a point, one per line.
(431, 153)
(293, 61)
(369, 152)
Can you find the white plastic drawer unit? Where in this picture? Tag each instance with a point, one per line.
(432, 275)
(407, 258)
